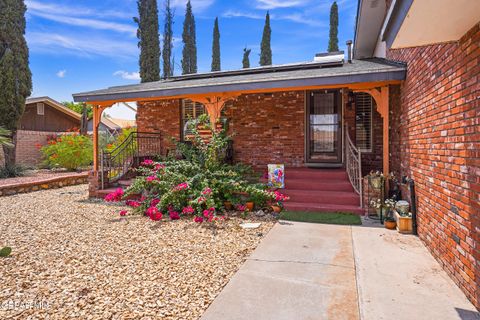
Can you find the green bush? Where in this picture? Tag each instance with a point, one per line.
(12, 171)
(70, 151)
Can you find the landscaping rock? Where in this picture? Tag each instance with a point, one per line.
(71, 257)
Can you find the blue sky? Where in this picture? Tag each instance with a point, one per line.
(85, 45)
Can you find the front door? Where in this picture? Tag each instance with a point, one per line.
(324, 127)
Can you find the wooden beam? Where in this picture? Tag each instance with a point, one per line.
(354, 86)
(214, 104)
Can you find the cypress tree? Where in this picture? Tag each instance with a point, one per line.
(189, 53)
(216, 66)
(246, 58)
(15, 74)
(168, 42)
(333, 41)
(266, 49)
(149, 41)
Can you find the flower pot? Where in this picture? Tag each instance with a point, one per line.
(390, 225)
(404, 224)
(250, 205)
(228, 205)
(276, 209)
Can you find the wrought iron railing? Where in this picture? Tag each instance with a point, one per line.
(354, 165)
(115, 164)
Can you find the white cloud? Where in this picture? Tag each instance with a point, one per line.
(62, 73)
(294, 17)
(274, 4)
(84, 46)
(81, 16)
(127, 75)
(241, 14)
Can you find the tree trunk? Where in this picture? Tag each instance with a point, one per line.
(84, 121)
(10, 152)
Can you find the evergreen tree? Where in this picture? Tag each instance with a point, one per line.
(189, 53)
(168, 42)
(266, 49)
(246, 58)
(216, 66)
(333, 41)
(15, 74)
(149, 41)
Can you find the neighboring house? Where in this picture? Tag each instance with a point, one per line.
(43, 117)
(408, 101)
(112, 125)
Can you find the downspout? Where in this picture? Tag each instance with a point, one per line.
(413, 202)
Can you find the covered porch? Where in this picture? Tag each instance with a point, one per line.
(302, 115)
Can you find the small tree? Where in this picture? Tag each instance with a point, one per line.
(246, 58)
(168, 42)
(333, 40)
(149, 41)
(189, 52)
(266, 49)
(216, 66)
(15, 74)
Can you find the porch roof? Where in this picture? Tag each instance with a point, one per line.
(289, 77)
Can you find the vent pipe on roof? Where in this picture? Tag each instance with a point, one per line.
(349, 50)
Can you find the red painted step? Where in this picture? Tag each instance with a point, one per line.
(302, 184)
(324, 197)
(318, 175)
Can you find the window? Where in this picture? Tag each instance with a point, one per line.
(363, 115)
(190, 112)
(40, 109)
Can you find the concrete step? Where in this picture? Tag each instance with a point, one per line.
(319, 207)
(324, 197)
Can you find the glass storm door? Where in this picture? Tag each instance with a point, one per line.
(324, 127)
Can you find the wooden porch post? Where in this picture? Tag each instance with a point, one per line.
(97, 116)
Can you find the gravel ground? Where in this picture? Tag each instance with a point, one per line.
(74, 258)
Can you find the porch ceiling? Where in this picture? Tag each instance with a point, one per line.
(254, 80)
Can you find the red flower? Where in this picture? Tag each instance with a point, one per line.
(147, 162)
(114, 196)
(154, 202)
(132, 203)
(123, 213)
(188, 210)
(198, 219)
(174, 215)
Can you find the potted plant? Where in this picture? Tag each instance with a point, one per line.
(377, 205)
(250, 205)
(390, 222)
(376, 179)
(229, 201)
(277, 205)
(403, 217)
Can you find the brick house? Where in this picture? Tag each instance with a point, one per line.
(43, 117)
(407, 102)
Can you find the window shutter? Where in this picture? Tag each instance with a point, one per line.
(363, 113)
(190, 111)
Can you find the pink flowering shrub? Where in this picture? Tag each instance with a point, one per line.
(115, 196)
(197, 187)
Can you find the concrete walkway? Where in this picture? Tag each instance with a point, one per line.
(313, 271)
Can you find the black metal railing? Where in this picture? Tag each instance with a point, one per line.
(138, 146)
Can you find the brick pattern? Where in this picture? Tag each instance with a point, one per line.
(437, 132)
(160, 116)
(268, 128)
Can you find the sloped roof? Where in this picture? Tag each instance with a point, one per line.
(55, 104)
(272, 77)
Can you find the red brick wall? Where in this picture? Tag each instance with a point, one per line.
(266, 128)
(160, 116)
(438, 128)
(27, 151)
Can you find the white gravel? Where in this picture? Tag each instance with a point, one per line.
(73, 258)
